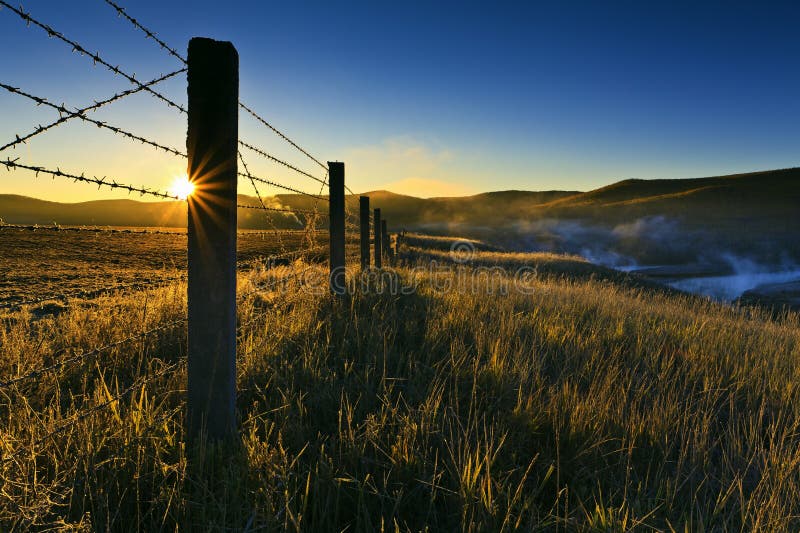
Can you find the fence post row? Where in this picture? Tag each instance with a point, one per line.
(376, 230)
(213, 90)
(336, 210)
(363, 204)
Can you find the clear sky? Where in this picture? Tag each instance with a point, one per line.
(425, 98)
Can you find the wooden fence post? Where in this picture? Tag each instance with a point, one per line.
(363, 204)
(385, 238)
(213, 72)
(336, 211)
(376, 230)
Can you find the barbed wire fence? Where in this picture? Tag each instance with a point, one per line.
(348, 227)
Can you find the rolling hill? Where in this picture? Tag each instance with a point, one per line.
(15, 209)
(764, 194)
(402, 209)
(654, 221)
(774, 192)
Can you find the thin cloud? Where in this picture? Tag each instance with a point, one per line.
(404, 165)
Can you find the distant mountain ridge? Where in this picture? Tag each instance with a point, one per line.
(16, 209)
(769, 185)
(766, 201)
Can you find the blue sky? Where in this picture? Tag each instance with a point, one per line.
(429, 98)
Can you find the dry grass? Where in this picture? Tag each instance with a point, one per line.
(585, 406)
(443, 243)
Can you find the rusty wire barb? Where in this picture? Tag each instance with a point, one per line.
(94, 56)
(98, 104)
(280, 161)
(281, 135)
(151, 35)
(100, 182)
(78, 417)
(100, 124)
(279, 210)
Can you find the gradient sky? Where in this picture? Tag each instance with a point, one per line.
(426, 98)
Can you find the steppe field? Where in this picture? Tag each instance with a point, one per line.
(581, 400)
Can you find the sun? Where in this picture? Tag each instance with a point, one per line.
(182, 187)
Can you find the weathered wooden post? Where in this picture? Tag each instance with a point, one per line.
(376, 230)
(363, 204)
(213, 72)
(336, 211)
(385, 238)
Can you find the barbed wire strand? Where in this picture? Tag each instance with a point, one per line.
(261, 201)
(28, 19)
(151, 35)
(88, 229)
(271, 233)
(271, 258)
(88, 354)
(279, 210)
(280, 161)
(311, 226)
(100, 182)
(98, 104)
(92, 410)
(100, 124)
(279, 185)
(255, 187)
(255, 232)
(281, 135)
(119, 231)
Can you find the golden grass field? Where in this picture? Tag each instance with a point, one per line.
(591, 404)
